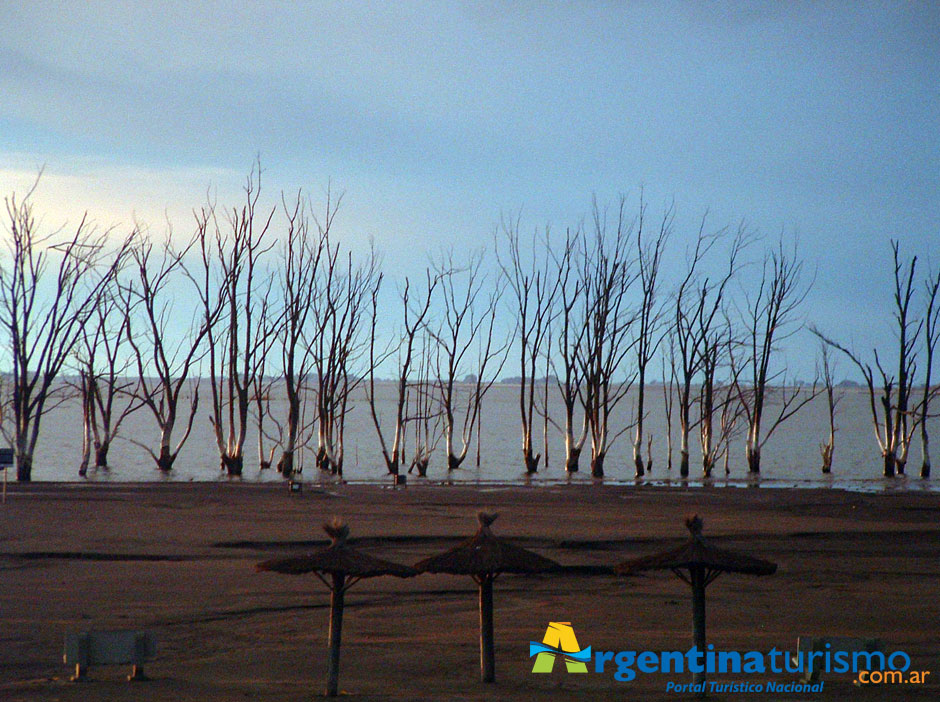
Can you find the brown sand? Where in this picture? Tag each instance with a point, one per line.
(179, 560)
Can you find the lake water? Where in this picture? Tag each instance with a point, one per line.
(790, 458)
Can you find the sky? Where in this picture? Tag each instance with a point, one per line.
(814, 121)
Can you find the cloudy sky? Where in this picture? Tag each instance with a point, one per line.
(817, 120)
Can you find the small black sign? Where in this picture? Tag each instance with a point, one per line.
(6, 457)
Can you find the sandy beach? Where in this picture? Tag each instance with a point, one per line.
(179, 560)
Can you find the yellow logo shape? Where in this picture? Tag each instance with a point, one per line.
(559, 636)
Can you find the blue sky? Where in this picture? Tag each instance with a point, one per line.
(819, 120)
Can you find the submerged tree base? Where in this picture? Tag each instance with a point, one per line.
(572, 461)
(753, 460)
(639, 465)
(684, 464)
(285, 464)
(708, 465)
(328, 464)
(597, 466)
(531, 461)
(101, 456)
(889, 463)
(826, 451)
(233, 465)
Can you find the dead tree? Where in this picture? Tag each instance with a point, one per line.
(770, 316)
(570, 336)
(533, 289)
(649, 316)
(543, 409)
(231, 256)
(50, 285)
(104, 368)
(465, 323)
(715, 345)
(695, 328)
(909, 329)
(165, 352)
(709, 352)
(827, 366)
(731, 416)
(342, 297)
(669, 395)
(303, 253)
(424, 413)
(882, 423)
(269, 320)
(608, 274)
(931, 322)
(414, 316)
(893, 430)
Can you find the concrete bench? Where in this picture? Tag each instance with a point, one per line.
(849, 644)
(109, 648)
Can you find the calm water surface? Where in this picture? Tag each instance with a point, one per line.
(790, 458)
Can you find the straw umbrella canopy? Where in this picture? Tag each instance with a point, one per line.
(340, 567)
(484, 557)
(698, 563)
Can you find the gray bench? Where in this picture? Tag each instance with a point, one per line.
(109, 648)
(809, 644)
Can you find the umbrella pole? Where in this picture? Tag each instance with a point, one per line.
(698, 622)
(336, 631)
(487, 654)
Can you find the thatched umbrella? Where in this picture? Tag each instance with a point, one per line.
(703, 564)
(485, 557)
(345, 566)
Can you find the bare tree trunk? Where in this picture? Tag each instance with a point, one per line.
(571, 322)
(534, 292)
(709, 365)
(931, 335)
(236, 343)
(545, 409)
(163, 365)
(770, 314)
(339, 305)
(87, 410)
(413, 322)
(608, 275)
(464, 323)
(891, 426)
(697, 305)
(827, 449)
(925, 447)
(649, 315)
(638, 463)
(573, 447)
(303, 257)
(104, 366)
(669, 391)
(684, 428)
(753, 457)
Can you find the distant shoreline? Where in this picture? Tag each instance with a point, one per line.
(873, 486)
